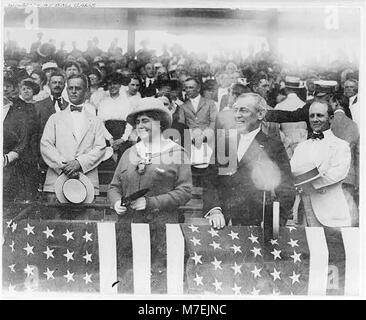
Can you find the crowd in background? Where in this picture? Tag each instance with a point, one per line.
(117, 81)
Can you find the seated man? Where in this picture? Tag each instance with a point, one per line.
(262, 173)
(73, 141)
(319, 165)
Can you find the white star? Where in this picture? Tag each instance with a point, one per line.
(275, 293)
(197, 259)
(29, 249)
(236, 248)
(49, 274)
(12, 246)
(256, 251)
(48, 232)
(87, 236)
(233, 235)
(253, 238)
(275, 274)
(296, 257)
(11, 288)
(68, 255)
(236, 289)
(293, 243)
(295, 277)
(215, 245)
(255, 292)
(276, 254)
(217, 285)
(256, 272)
(236, 268)
(29, 229)
(8, 224)
(69, 276)
(198, 280)
(273, 242)
(13, 227)
(217, 264)
(12, 267)
(87, 278)
(49, 253)
(193, 228)
(68, 235)
(213, 233)
(195, 241)
(87, 257)
(29, 270)
(291, 229)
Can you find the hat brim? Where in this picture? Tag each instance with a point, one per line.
(166, 116)
(83, 179)
(306, 177)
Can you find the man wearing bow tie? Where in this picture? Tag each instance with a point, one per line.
(73, 139)
(260, 174)
(148, 88)
(319, 165)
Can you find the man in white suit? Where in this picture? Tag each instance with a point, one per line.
(73, 140)
(319, 165)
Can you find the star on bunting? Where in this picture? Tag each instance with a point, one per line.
(193, 228)
(213, 233)
(256, 251)
(256, 272)
(87, 278)
(29, 229)
(195, 241)
(69, 276)
(217, 264)
(68, 235)
(197, 259)
(217, 285)
(12, 267)
(295, 277)
(253, 238)
(296, 257)
(293, 243)
(48, 232)
(69, 255)
(233, 235)
(29, 270)
(29, 249)
(255, 292)
(12, 246)
(276, 254)
(215, 245)
(275, 274)
(49, 252)
(274, 241)
(87, 257)
(236, 248)
(236, 289)
(87, 236)
(49, 274)
(236, 268)
(198, 280)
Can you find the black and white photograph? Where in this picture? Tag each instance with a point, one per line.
(170, 150)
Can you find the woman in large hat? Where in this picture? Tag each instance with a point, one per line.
(162, 168)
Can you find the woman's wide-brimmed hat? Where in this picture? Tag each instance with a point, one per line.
(151, 104)
(74, 190)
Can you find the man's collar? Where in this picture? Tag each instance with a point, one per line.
(196, 98)
(252, 133)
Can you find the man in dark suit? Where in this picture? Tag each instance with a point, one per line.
(261, 173)
(148, 87)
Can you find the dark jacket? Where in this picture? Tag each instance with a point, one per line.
(240, 194)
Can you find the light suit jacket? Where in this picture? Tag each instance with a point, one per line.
(59, 144)
(333, 159)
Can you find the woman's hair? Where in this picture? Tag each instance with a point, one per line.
(41, 75)
(155, 115)
(69, 64)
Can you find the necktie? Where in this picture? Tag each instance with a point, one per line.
(76, 108)
(316, 135)
(59, 103)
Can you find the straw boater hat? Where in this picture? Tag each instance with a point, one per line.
(151, 104)
(293, 82)
(305, 174)
(324, 87)
(49, 65)
(79, 190)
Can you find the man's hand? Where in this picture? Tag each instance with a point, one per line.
(71, 168)
(119, 209)
(216, 219)
(138, 204)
